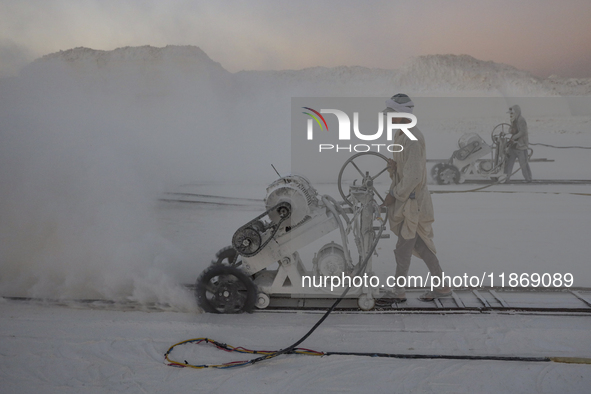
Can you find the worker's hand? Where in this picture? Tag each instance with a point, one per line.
(391, 166)
(388, 201)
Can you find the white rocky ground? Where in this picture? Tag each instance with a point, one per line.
(51, 349)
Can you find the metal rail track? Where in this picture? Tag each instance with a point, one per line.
(249, 203)
(563, 301)
(535, 182)
(480, 300)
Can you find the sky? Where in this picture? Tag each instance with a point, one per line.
(544, 37)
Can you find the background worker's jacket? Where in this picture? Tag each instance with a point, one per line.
(411, 216)
(519, 129)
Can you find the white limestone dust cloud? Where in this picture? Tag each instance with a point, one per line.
(91, 139)
(84, 157)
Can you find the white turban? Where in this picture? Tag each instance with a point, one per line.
(406, 106)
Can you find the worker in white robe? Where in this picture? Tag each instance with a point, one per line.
(410, 209)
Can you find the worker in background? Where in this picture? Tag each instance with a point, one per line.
(518, 145)
(410, 209)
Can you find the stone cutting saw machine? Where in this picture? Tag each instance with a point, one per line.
(263, 266)
(475, 159)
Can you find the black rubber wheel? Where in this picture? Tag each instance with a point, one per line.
(435, 170)
(227, 256)
(247, 241)
(225, 289)
(448, 174)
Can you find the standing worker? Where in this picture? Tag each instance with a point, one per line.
(410, 209)
(518, 145)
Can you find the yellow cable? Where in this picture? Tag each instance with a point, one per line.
(571, 360)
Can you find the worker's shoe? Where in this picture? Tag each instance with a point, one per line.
(436, 293)
(398, 295)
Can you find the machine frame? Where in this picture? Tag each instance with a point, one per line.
(295, 217)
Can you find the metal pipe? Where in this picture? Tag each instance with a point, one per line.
(338, 207)
(333, 210)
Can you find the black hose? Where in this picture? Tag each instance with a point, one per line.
(562, 147)
(441, 356)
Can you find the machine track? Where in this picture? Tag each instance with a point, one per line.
(559, 301)
(467, 300)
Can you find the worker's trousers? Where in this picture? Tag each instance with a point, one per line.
(521, 155)
(403, 253)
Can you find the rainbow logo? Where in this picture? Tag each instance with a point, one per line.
(315, 117)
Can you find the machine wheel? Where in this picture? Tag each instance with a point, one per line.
(227, 256)
(247, 241)
(366, 302)
(435, 170)
(263, 301)
(351, 164)
(448, 174)
(225, 289)
(500, 130)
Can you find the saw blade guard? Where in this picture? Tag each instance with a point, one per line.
(298, 192)
(472, 147)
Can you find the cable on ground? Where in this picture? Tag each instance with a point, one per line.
(562, 147)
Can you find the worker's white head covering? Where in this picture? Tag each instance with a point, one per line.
(514, 112)
(399, 103)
